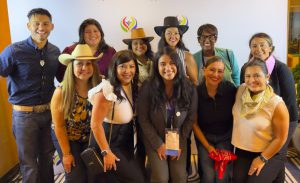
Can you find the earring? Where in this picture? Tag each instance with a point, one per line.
(267, 82)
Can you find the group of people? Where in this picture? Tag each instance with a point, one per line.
(139, 108)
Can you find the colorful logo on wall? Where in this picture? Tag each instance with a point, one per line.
(128, 23)
(183, 20)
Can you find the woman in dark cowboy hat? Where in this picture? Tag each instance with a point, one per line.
(171, 35)
(139, 43)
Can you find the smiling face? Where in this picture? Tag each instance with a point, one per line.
(207, 41)
(83, 69)
(260, 48)
(256, 79)
(172, 36)
(214, 73)
(40, 27)
(167, 68)
(139, 47)
(126, 72)
(92, 35)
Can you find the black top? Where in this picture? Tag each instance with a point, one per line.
(215, 114)
(283, 84)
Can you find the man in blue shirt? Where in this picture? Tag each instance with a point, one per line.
(30, 67)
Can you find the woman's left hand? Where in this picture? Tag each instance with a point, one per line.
(256, 166)
(176, 157)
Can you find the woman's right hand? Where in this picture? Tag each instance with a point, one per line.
(211, 148)
(110, 161)
(161, 151)
(68, 162)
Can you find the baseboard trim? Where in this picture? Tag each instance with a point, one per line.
(10, 174)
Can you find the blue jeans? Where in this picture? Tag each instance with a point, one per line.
(206, 164)
(35, 148)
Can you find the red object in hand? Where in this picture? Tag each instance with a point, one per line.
(221, 159)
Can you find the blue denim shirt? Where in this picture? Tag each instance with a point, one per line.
(30, 72)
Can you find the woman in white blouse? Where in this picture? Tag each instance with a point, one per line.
(260, 127)
(112, 120)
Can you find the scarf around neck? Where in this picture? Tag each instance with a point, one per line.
(250, 105)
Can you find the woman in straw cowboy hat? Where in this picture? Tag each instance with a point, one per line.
(71, 111)
(139, 43)
(171, 35)
(91, 33)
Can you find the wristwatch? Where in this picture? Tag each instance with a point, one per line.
(104, 152)
(263, 159)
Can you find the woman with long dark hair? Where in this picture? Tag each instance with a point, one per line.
(171, 34)
(90, 32)
(167, 106)
(112, 122)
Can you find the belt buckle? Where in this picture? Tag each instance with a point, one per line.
(40, 108)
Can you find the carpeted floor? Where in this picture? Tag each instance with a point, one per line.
(292, 170)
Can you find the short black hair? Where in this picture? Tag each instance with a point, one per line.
(208, 28)
(39, 11)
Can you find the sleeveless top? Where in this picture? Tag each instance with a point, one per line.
(181, 54)
(78, 124)
(123, 113)
(254, 132)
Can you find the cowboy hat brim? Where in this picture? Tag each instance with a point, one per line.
(160, 29)
(65, 59)
(128, 41)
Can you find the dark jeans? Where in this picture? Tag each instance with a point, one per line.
(267, 174)
(35, 148)
(206, 164)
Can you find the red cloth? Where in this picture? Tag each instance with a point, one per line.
(221, 160)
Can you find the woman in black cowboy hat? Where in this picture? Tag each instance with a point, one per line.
(171, 36)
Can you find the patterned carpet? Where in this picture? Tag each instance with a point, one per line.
(292, 173)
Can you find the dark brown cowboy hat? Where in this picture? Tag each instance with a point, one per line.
(170, 22)
(138, 33)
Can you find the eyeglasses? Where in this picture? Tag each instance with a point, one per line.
(211, 37)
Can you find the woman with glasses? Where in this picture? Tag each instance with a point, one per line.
(171, 36)
(213, 128)
(207, 37)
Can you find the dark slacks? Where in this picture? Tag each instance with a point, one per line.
(268, 173)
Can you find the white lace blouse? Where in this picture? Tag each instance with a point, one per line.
(122, 111)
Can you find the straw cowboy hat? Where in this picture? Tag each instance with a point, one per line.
(170, 22)
(137, 34)
(81, 52)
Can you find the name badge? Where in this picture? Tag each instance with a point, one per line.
(172, 141)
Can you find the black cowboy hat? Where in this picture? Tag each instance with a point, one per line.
(170, 22)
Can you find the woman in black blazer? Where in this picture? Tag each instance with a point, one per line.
(167, 101)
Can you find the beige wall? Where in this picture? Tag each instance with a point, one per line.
(8, 152)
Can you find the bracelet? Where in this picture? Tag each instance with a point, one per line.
(263, 159)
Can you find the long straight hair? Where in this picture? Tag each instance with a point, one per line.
(182, 87)
(68, 87)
